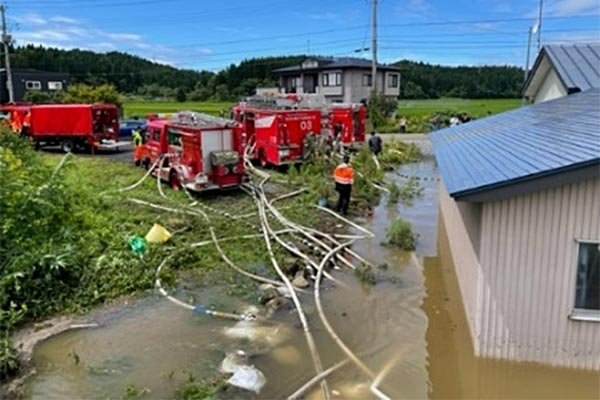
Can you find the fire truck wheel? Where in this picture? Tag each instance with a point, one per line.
(262, 158)
(137, 163)
(67, 145)
(174, 181)
(146, 164)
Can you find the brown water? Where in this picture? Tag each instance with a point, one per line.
(412, 315)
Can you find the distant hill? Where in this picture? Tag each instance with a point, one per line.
(426, 81)
(133, 74)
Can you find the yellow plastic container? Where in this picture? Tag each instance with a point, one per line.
(158, 234)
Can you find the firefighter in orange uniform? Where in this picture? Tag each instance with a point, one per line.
(344, 178)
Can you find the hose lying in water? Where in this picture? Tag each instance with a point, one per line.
(267, 231)
(198, 308)
(316, 379)
(328, 326)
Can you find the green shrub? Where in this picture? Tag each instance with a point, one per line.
(400, 234)
(381, 109)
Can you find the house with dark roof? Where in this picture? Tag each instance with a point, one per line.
(560, 70)
(345, 79)
(25, 80)
(520, 212)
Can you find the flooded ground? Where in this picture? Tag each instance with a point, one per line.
(412, 317)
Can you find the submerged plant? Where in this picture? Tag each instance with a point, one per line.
(400, 234)
(365, 274)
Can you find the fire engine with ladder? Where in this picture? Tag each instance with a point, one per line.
(195, 150)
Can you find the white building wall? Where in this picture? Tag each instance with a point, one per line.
(459, 218)
(518, 283)
(550, 88)
(528, 262)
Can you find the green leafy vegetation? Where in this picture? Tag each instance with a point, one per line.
(425, 81)
(64, 238)
(400, 234)
(407, 192)
(153, 81)
(77, 93)
(365, 274)
(201, 390)
(381, 109)
(397, 152)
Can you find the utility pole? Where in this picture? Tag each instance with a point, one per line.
(6, 40)
(527, 62)
(374, 45)
(539, 27)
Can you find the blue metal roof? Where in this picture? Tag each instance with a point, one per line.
(524, 144)
(578, 66)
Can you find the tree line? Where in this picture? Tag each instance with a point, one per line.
(135, 75)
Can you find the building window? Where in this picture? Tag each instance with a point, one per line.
(332, 79)
(367, 80)
(33, 85)
(393, 80)
(587, 287)
(55, 85)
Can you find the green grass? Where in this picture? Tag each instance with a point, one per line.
(141, 109)
(476, 108)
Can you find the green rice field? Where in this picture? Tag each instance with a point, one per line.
(409, 108)
(475, 107)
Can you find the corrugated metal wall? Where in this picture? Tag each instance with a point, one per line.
(528, 261)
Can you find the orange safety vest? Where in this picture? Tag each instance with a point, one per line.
(344, 174)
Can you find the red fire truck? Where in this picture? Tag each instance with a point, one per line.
(93, 126)
(280, 135)
(201, 152)
(348, 121)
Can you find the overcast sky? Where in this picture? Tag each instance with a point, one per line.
(210, 35)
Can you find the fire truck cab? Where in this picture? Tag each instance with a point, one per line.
(200, 152)
(280, 136)
(347, 124)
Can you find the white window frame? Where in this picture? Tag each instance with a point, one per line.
(332, 78)
(582, 314)
(33, 85)
(55, 85)
(338, 78)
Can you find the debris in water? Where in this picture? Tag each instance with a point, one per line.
(248, 377)
(299, 281)
(254, 332)
(284, 292)
(233, 361)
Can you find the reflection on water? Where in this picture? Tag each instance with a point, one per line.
(410, 315)
(454, 370)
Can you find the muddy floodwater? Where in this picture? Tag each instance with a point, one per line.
(411, 321)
